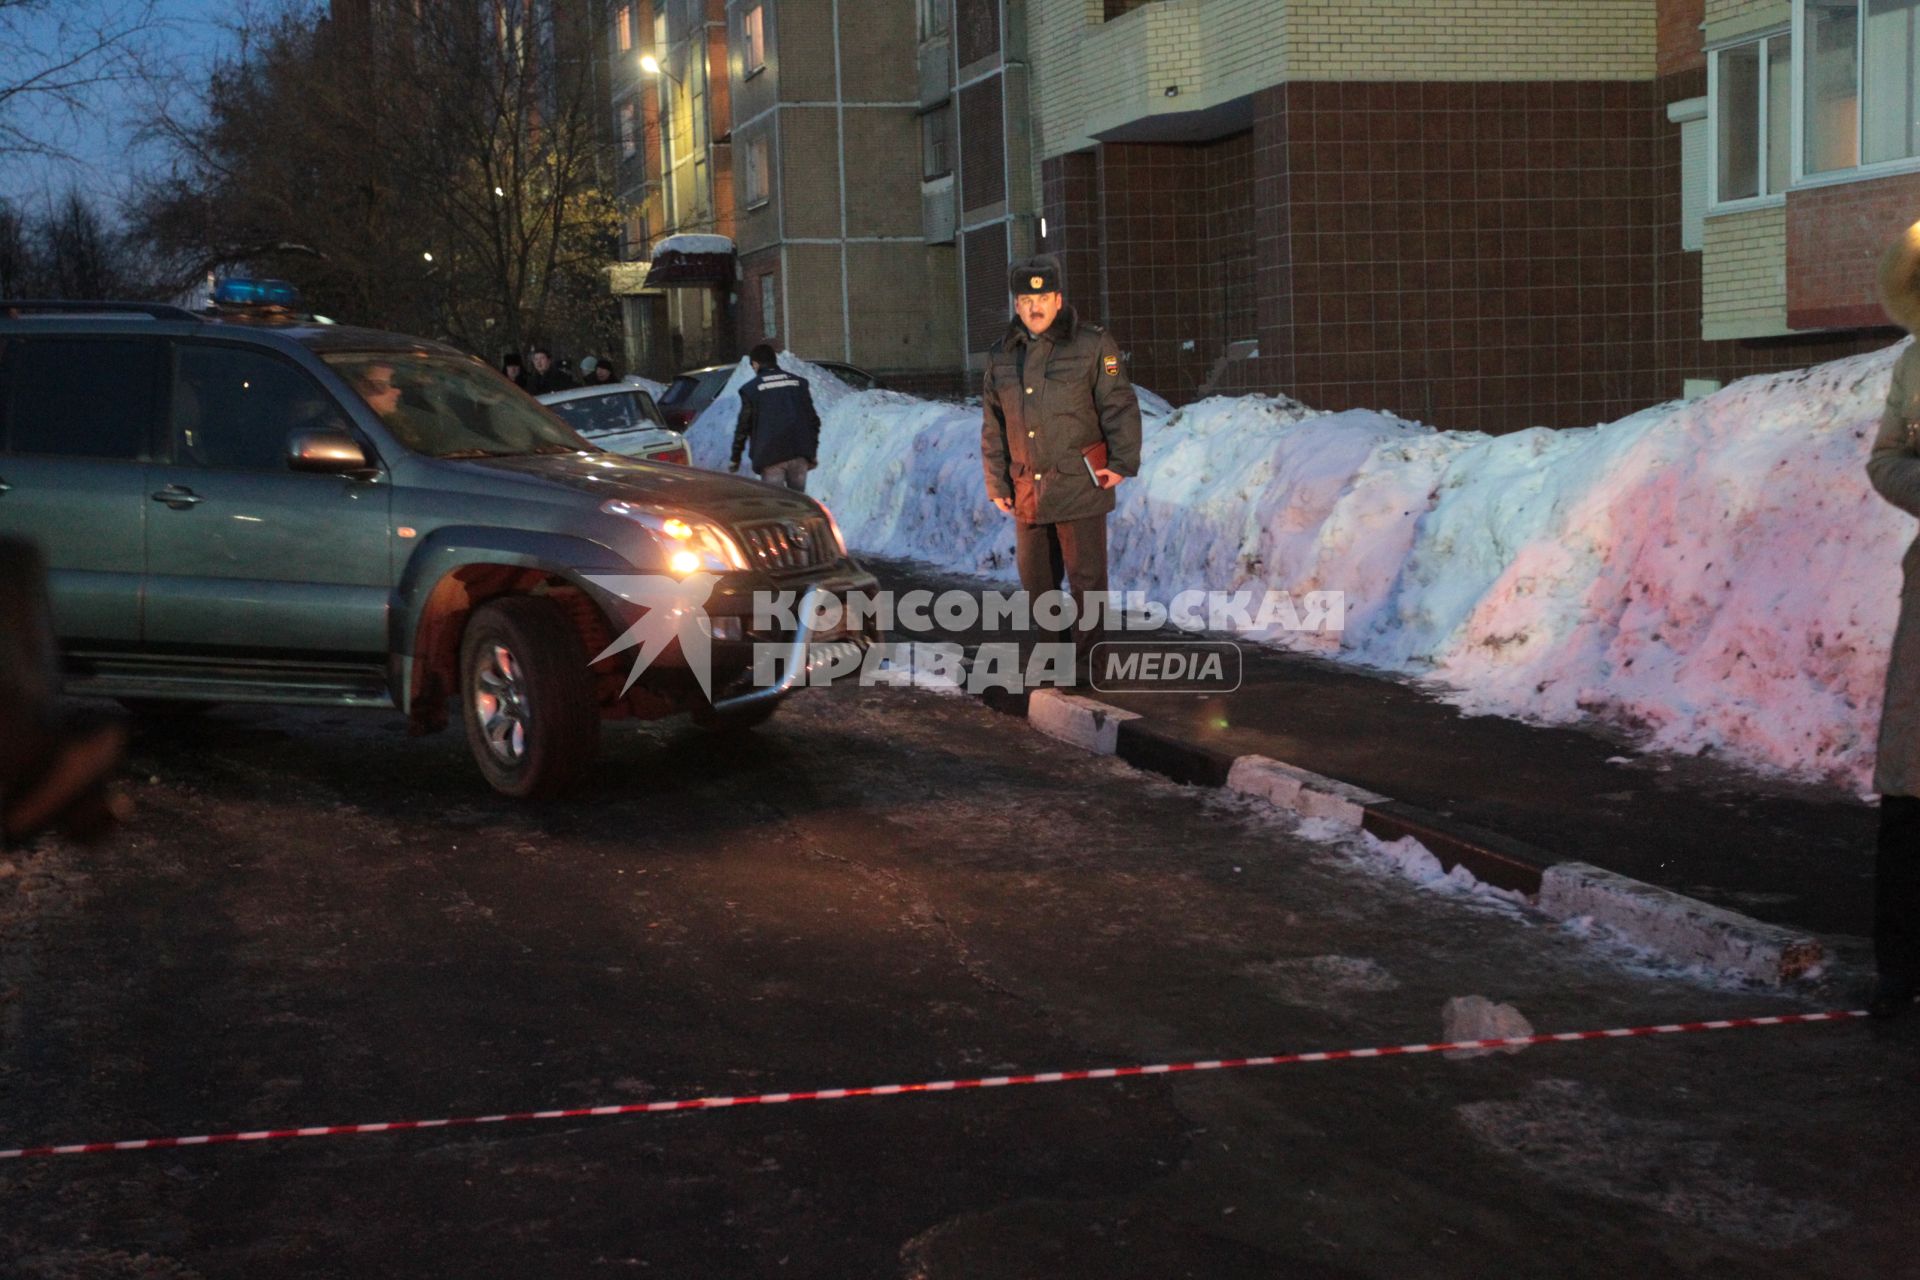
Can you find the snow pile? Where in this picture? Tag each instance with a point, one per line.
(647, 385)
(1716, 574)
(710, 435)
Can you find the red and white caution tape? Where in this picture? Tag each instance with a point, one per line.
(930, 1086)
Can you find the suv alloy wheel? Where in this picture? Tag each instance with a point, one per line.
(527, 697)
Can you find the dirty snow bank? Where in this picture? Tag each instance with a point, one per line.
(1715, 573)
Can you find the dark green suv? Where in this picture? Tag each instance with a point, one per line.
(279, 510)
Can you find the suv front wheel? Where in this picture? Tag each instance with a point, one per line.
(527, 697)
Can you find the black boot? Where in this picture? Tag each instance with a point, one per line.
(1896, 906)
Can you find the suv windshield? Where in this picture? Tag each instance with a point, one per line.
(451, 408)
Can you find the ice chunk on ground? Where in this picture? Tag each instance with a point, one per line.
(1478, 1018)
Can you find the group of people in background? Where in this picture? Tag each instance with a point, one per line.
(546, 374)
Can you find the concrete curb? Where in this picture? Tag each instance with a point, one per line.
(1683, 929)
(1092, 726)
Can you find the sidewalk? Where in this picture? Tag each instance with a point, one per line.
(1790, 855)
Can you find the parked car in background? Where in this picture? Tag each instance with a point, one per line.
(620, 418)
(692, 391)
(857, 378)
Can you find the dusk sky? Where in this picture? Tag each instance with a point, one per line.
(103, 141)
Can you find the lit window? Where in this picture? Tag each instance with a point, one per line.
(1859, 78)
(623, 29)
(753, 39)
(1752, 123)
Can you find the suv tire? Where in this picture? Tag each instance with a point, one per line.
(526, 696)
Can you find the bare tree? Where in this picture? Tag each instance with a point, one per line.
(18, 272)
(434, 164)
(56, 56)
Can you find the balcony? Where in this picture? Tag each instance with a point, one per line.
(1172, 71)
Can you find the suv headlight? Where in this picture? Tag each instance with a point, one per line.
(839, 539)
(688, 545)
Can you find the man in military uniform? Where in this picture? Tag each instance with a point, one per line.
(1054, 390)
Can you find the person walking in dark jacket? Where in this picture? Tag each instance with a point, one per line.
(1055, 398)
(777, 423)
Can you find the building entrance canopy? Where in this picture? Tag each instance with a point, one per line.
(692, 260)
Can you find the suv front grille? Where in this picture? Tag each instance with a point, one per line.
(788, 546)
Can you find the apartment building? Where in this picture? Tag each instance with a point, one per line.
(671, 107)
(1494, 216)
(1808, 135)
(770, 166)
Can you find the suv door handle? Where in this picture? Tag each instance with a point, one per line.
(179, 497)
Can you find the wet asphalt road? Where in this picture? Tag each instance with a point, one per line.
(313, 919)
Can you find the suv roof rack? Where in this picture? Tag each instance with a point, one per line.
(11, 308)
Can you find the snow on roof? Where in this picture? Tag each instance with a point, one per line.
(693, 244)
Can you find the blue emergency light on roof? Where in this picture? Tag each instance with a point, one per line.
(256, 293)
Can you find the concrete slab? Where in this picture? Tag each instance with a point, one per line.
(1683, 928)
(1092, 726)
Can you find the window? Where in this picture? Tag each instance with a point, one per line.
(1751, 91)
(768, 328)
(933, 19)
(236, 408)
(623, 29)
(936, 142)
(753, 41)
(757, 185)
(1887, 110)
(602, 415)
(81, 398)
(629, 129)
(1859, 83)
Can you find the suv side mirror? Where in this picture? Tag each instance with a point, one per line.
(326, 451)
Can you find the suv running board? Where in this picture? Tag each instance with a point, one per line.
(316, 684)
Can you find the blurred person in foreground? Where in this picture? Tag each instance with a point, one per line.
(1893, 467)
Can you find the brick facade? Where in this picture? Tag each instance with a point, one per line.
(1467, 215)
(1487, 40)
(1835, 236)
(1494, 256)
(1677, 36)
(1176, 228)
(1071, 206)
(1744, 284)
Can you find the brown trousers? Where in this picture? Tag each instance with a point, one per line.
(1074, 549)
